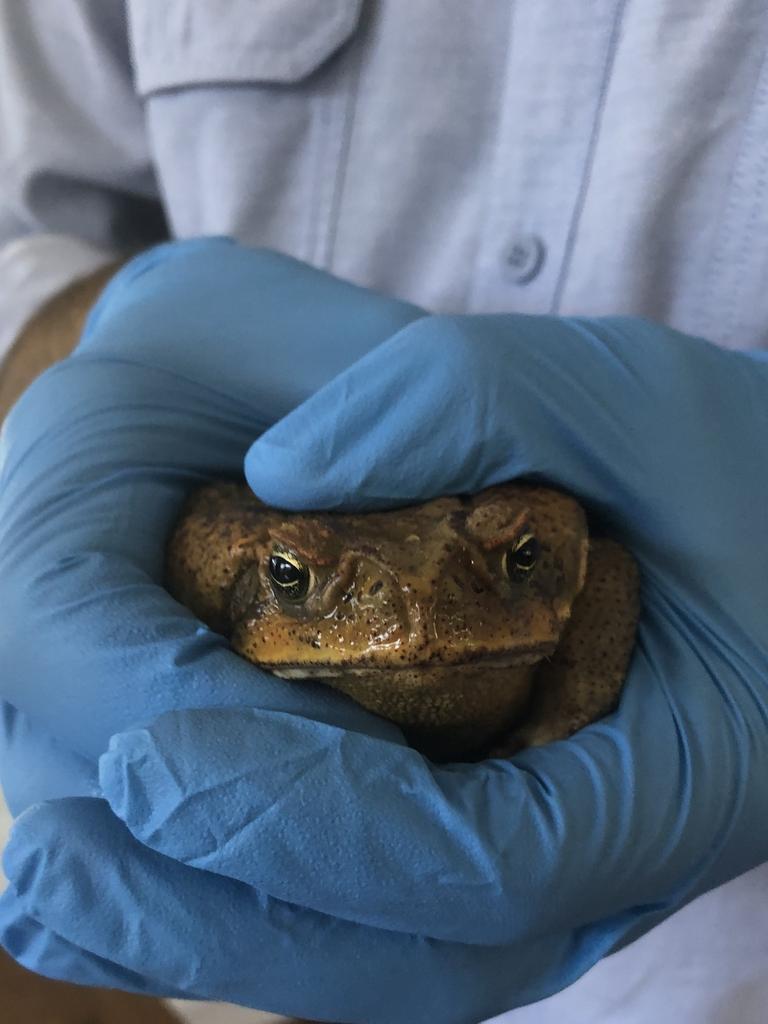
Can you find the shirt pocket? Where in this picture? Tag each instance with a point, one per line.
(178, 43)
(248, 106)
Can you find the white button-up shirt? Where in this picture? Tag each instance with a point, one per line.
(591, 157)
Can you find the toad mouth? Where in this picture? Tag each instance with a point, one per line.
(478, 662)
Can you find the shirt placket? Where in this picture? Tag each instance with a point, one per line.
(558, 68)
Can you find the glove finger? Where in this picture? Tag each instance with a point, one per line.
(40, 950)
(214, 938)
(622, 413)
(451, 404)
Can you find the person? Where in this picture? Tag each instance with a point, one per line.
(491, 238)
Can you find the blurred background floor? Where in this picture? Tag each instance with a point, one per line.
(26, 998)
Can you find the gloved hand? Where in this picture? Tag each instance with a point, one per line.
(193, 349)
(456, 891)
(594, 839)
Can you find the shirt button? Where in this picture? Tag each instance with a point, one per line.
(525, 258)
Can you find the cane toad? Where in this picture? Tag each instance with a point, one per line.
(479, 625)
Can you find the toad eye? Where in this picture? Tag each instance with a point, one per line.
(521, 559)
(290, 577)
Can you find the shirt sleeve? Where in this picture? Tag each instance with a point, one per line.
(77, 180)
(33, 269)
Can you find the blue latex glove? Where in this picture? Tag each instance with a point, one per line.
(497, 862)
(192, 350)
(664, 437)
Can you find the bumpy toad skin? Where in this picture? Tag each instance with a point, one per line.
(479, 625)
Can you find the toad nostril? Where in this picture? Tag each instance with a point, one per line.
(376, 587)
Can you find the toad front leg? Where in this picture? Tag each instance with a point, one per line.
(582, 681)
